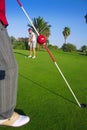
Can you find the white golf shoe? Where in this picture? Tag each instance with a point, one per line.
(30, 56)
(15, 120)
(33, 57)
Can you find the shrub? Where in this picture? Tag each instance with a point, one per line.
(19, 45)
(84, 48)
(52, 47)
(68, 47)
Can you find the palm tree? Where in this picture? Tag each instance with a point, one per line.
(66, 33)
(41, 25)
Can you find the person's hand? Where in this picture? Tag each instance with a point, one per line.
(28, 43)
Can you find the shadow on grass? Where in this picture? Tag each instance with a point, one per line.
(20, 53)
(39, 85)
(19, 111)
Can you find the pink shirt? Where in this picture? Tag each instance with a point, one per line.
(3, 13)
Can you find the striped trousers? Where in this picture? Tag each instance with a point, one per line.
(8, 75)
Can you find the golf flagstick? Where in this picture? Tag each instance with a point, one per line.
(51, 56)
(27, 16)
(62, 75)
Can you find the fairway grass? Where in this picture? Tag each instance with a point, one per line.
(43, 94)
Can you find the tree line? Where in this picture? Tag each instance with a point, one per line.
(44, 28)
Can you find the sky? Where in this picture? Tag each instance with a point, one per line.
(58, 14)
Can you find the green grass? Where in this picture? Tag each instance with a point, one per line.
(43, 94)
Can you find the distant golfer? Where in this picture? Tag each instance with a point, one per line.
(32, 43)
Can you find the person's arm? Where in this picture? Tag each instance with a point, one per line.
(31, 38)
(3, 13)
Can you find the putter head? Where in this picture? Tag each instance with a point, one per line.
(83, 105)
